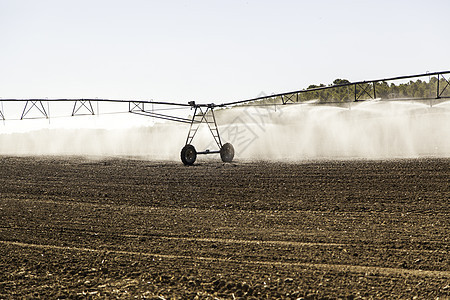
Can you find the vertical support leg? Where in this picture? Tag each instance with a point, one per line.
(214, 129)
(374, 92)
(48, 111)
(192, 131)
(437, 91)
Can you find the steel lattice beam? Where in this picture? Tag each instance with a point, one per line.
(285, 96)
(137, 106)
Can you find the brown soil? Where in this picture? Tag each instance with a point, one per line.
(119, 228)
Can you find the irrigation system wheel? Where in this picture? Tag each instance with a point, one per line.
(227, 152)
(188, 155)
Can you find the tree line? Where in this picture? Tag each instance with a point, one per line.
(418, 89)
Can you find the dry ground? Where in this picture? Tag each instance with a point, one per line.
(120, 228)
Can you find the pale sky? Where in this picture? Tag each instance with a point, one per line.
(212, 51)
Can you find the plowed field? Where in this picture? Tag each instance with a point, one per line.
(119, 228)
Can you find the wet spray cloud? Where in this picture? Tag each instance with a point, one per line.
(372, 130)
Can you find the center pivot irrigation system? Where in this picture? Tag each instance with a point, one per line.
(204, 113)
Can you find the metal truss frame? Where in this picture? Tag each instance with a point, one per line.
(34, 103)
(439, 92)
(285, 98)
(360, 89)
(204, 115)
(82, 102)
(136, 107)
(364, 89)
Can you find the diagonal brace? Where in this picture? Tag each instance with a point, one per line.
(1, 112)
(440, 93)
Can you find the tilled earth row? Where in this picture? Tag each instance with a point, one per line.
(120, 228)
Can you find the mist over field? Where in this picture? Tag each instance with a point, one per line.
(372, 129)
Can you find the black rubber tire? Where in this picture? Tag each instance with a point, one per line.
(188, 155)
(227, 152)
